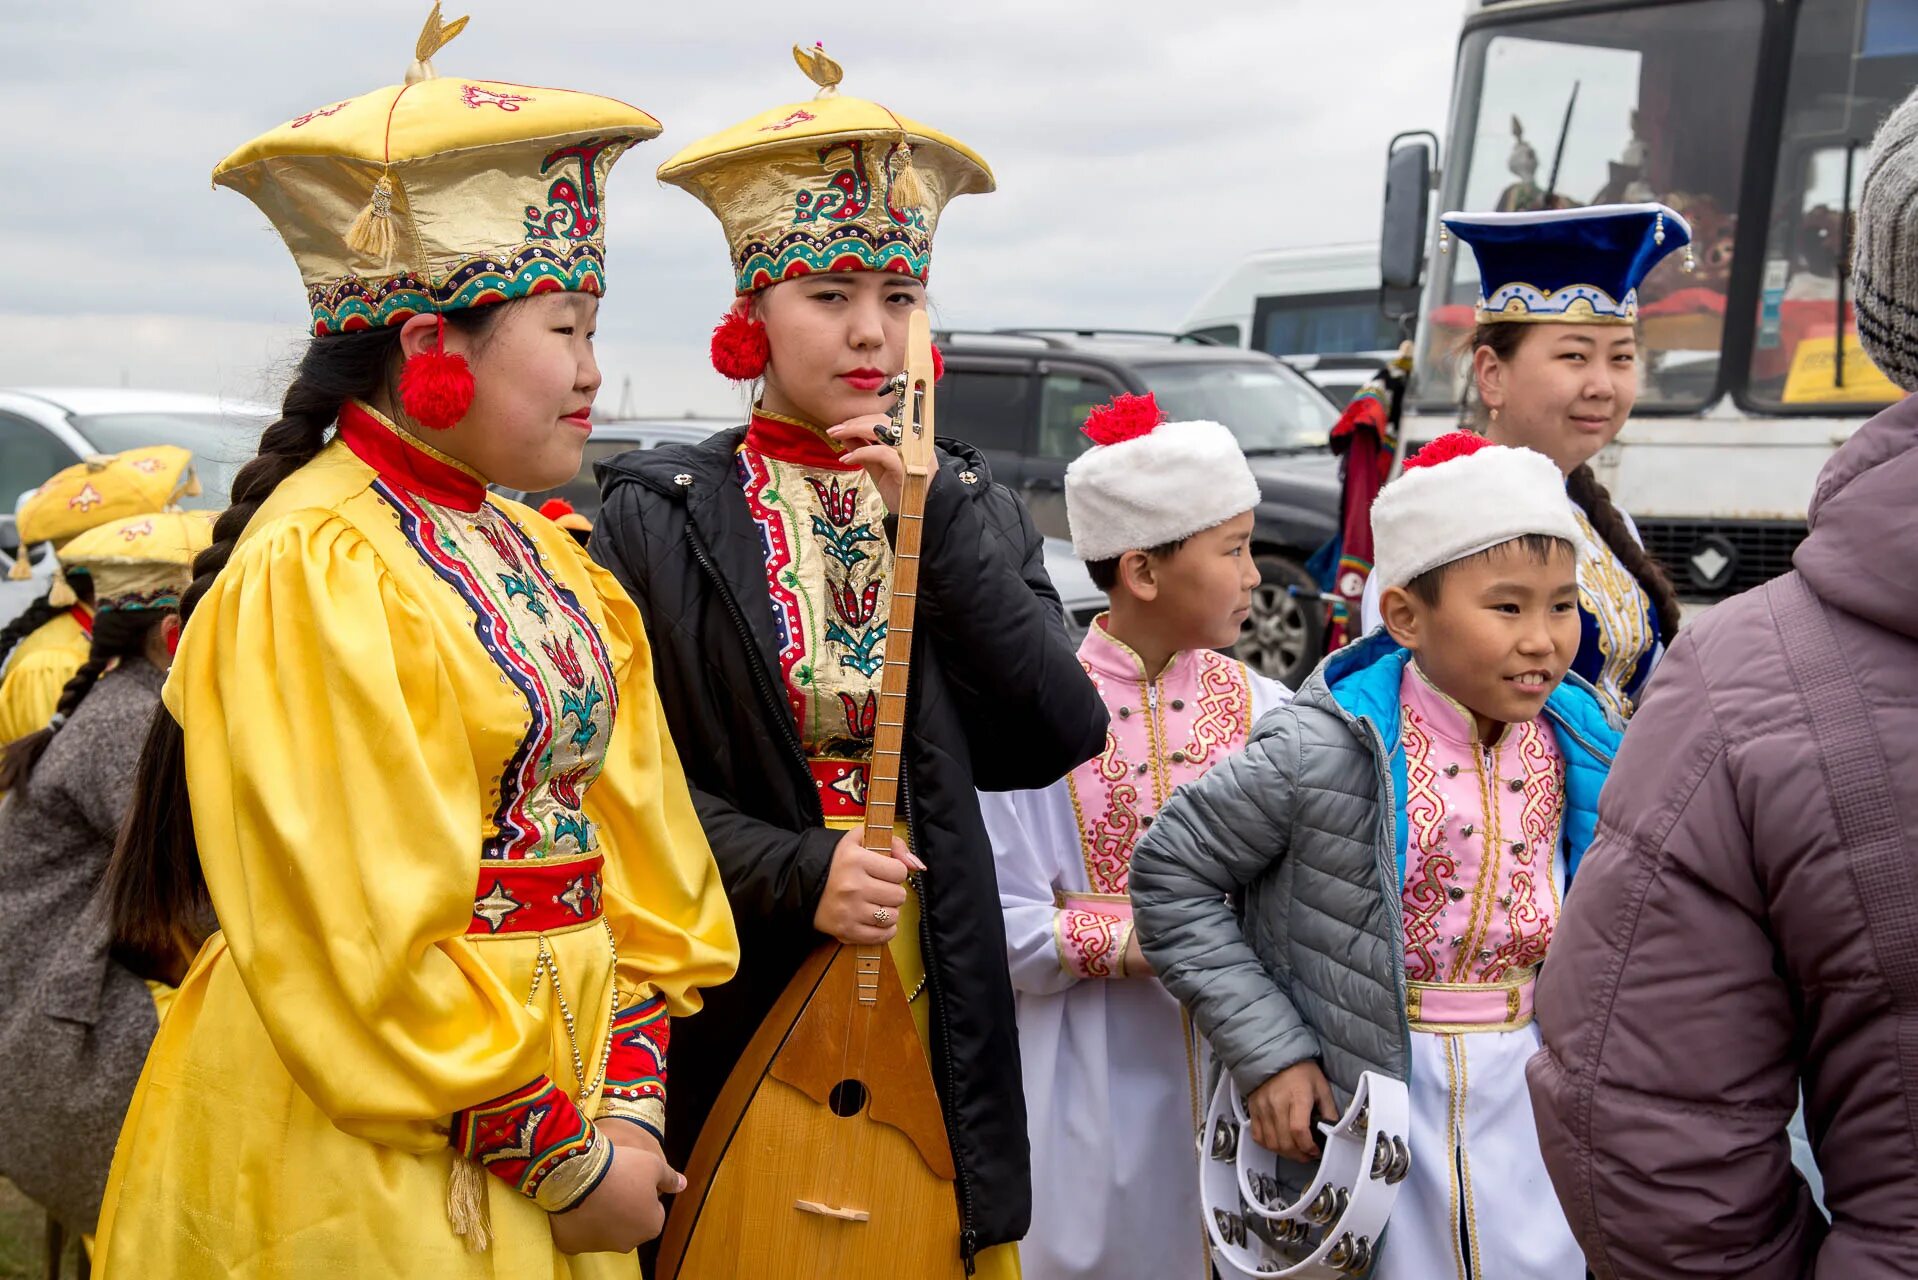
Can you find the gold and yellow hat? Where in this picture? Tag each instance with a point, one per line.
(439, 194)
(834, 184)
(103, 488)
(141, 562)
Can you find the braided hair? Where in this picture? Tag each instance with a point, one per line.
(1582, 486)
(39, 613)
(156, 892)
(117, 634)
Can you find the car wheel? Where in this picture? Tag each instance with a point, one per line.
(1284, 636)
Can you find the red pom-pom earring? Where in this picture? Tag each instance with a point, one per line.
(436, 387)
(938, 364)
(740, 350)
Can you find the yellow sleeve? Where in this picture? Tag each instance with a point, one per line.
(663, 893)
(338, 819)
(31, 690)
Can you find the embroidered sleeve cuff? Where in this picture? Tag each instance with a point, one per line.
(636, 1068)
(1090, 945)
(539, 1142)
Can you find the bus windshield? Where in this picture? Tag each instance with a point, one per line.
(1625, 105)
(1853, 61)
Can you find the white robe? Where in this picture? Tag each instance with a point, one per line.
(1112, 1072)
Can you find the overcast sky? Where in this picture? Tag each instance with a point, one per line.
(1142, 148)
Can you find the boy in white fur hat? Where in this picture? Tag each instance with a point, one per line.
(1162, 514)
(1398, 839)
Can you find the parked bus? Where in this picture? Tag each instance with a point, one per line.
(1750, 117)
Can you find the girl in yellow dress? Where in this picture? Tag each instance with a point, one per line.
(413, 745)
(764, 563)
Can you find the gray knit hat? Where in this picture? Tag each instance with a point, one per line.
(1885, 259)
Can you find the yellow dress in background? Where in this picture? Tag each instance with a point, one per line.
(412, 730)
(37, 670)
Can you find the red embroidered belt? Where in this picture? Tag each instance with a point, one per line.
(536, 895)
(1450, 1007)
(842, 785)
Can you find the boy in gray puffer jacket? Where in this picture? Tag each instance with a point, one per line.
(1373, 883)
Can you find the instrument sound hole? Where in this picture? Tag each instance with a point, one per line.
(848, 1098)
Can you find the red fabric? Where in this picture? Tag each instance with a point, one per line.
(739, 347)
(1126, 418)
(406, 465)
(1365, 437)
(795, 442)
(524, 1135)
(528, 895)
(636, 1068)
(83, 616)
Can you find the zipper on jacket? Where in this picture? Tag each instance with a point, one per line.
(936, 1019)
(781, 713)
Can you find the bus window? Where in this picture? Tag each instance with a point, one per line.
(1853, 61)
(1322, 324)
(1620, 106)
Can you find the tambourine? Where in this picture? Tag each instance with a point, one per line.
(1333, 1229)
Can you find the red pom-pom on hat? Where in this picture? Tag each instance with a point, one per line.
(1453, 444)
(554, 508)
(740, 349)
(436, 387)
(1126, 418)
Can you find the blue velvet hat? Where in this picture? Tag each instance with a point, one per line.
(1570, 266)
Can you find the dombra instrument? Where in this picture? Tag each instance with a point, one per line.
(1333, 1229)
(826, 1153)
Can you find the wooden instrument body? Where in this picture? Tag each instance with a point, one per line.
(826, 1154)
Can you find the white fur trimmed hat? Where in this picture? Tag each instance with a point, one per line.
(1146, 482)
(1462, 495)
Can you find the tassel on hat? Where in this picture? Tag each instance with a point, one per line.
(22, 566)
(908, 189)
(60, 595)
(372, 231)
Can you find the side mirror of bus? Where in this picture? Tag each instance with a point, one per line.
(1408, 213)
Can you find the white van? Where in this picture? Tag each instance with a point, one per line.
(1317, 308)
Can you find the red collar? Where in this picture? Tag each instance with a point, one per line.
(83, 616)
(794, 440)
(407, 463)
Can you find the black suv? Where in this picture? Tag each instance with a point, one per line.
(1021, 396)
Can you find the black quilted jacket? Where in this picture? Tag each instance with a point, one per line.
(998, 701)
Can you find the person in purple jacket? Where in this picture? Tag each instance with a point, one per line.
(1747, 917)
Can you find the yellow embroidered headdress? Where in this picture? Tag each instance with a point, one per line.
(439, 194)
(105, 487)
(834, 184)
(141, 562)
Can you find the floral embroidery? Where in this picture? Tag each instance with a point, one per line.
(86, 500)
(552, 655)
(572, 204)
(1529, 919)
(300, 122)
(847, 192)
(1108, 838)
(850, 246)
(1618, 618)
(827, 564)
(780, 126)
(350, 304)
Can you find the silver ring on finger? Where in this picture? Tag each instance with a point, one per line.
(882, 917)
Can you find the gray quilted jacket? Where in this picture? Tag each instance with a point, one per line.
(1266, 894)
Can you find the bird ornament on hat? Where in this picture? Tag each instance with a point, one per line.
(831, 184)
(436, 195)
(1147, 482)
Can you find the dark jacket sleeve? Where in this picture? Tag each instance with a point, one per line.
(770, 873)
(1668, 1072)
(1030, 714)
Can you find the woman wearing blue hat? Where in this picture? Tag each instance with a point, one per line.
(1555, 363)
